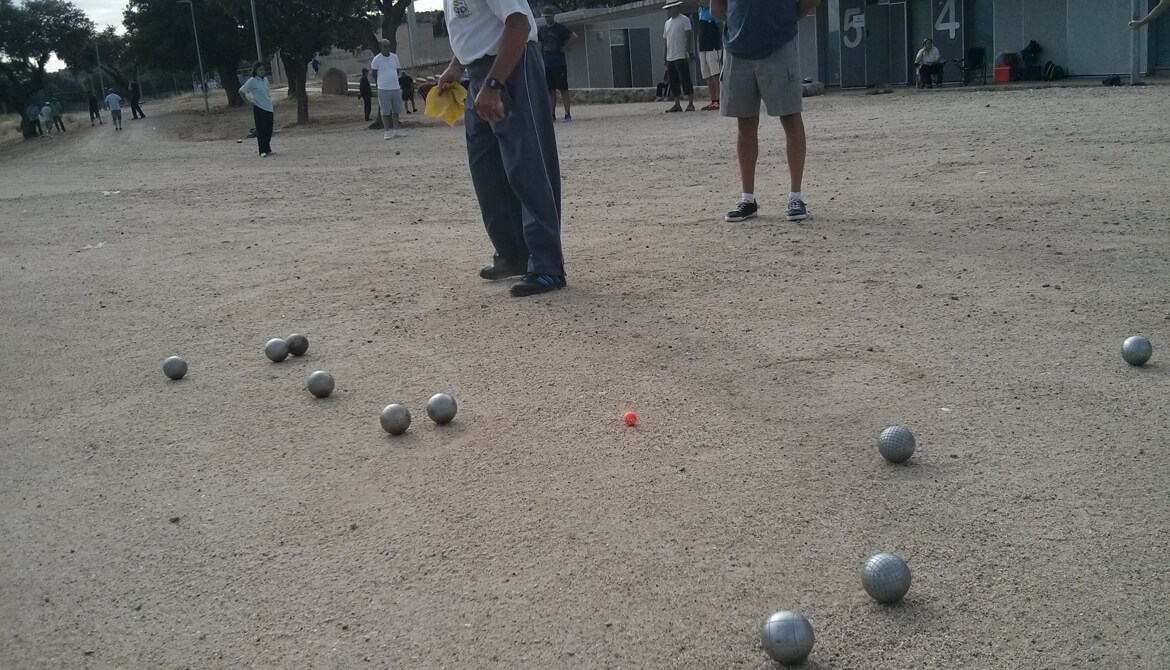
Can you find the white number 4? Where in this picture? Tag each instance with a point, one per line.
(948, 19)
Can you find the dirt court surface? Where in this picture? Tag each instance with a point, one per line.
(974, 262)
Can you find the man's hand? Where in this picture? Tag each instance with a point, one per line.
(488, 105)
(1136, 24)
(450, 76)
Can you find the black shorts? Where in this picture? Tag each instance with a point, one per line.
(557, 77)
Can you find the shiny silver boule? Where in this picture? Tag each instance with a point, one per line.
(297, 344)
(787, 637)
(276, 349)
(395, 419)
(321, 384)
(175, 367)
(886, 578)
(1137, 350)
(442, 408)
(896, 444)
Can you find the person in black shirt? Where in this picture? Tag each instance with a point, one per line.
(364, 91)
(406, 83)
(135, 98)
(95, 111)
(554, 38)
(710, 51)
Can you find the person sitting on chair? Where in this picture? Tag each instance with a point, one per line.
(929, 63)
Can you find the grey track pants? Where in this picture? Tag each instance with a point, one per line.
(514, 167)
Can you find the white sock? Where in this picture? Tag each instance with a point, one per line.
(747, 197)
(794, 195)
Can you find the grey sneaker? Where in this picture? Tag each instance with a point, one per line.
(797, 211)
(744, 209)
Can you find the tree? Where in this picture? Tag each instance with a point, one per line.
(30, 34)
(160, 36)
(111, 49)
(301, 29)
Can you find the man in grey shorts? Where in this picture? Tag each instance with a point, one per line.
(761, 63)
(385, 67)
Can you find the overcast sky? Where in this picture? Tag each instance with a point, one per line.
(109, 12)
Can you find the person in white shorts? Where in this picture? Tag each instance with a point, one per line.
(710, 52)
(385, 67)
(761, 63)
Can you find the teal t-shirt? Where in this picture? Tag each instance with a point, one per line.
(757, 29)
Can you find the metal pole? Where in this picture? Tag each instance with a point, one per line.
(410, 33)
(256, 32)
(1135, 46)
(101, 77)
(198, 56)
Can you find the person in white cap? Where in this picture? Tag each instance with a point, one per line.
(677, 34)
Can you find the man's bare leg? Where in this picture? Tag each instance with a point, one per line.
(795, 148)
(565, 102)
(552, 101)
(747, 149)
(713, 87)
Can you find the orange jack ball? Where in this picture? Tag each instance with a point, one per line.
(631, 418)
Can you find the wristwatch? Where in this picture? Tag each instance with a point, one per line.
(494, 84)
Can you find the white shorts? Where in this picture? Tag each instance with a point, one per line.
(710, 63)
(390, 101)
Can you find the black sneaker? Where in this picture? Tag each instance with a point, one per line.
(500, 270)
(796, 210)
(534, 283)
(744, 209)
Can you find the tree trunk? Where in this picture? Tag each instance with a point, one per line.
(296, 84)
(231, 85)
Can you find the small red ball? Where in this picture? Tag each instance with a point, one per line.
(631, 418)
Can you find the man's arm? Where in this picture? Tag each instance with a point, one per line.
(573, 38)
(1161, 9)
(719, 9)
(689, 37)
(806, 7)
(512, 45)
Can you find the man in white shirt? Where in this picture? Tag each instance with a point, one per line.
(511, 144)
(385, 66)
(677, 34)
(930, 65)
(114, 102)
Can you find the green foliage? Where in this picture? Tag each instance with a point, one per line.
(30, 33)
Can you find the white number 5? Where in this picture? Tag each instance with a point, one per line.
(849, 23)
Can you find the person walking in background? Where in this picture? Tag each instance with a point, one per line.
(406, 83)
(316, 65)
(1161, 9)
(135, 99)
(761, 63)
(364, 91)
(385, 66)
(677, 34)
(114, 102)
(47, 119)
(33, 114)
(710, 52)
(95, 111)
(256, 91)
(511, 143)
(58, 121)
(554, 39)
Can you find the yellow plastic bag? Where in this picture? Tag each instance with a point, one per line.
(447, 105)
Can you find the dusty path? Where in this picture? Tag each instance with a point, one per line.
(973, 264)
